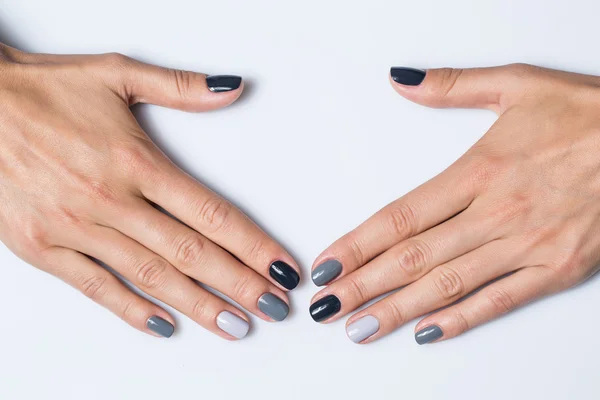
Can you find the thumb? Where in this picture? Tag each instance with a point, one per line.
(178, 89)
(488, 88)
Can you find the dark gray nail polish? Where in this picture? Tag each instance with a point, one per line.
(326, 272)
(322, 309)
(161, 326)
(407, 76)
(273, 306)
(285, 275)
(223, 83)
(429, 334)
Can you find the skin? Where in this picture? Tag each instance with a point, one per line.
(79, 178)
(517, 216)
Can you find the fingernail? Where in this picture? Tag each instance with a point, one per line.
(232, 324)
(160, 326)
(273, 306)
(284, 274)
(362, 328)
(322, 309)
(407, 76)
(429, 334)
(223, 83)
(326, 272)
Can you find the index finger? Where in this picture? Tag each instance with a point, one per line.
(435, 201)
(220, 221)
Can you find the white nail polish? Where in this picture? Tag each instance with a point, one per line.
(362, 328)
(232, 324)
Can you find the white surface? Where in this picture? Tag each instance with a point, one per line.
(319, 143)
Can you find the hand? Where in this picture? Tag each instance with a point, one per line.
(518, 213)
(79, 178)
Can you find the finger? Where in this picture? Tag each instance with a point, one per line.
(105, 289)
(491, 302)
(408, 261)
(442, 286)
(199, 258)
(222, 223)
(156, 277)
(492, 88)
(428, 205)
(138, 82)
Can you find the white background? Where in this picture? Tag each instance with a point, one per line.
(318, 143)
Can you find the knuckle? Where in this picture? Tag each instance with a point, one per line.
(520, 70)
(501, 301)
(413, 259)
(152, 274)
(511, 208)
(115, 60)
(402, 220)
(136, 160)
(448, 283)
(461, 323)
(257, 250)
(396, 314)
(100, 191)
(484, 169)
(358, 290)
(94, 287)
(357, 252)
(200, 309)
(214, 213)
(128, 310)
(568, 268)
(447, 81)
(190, 251)
(34, 239)
(182, 80)
(243, 288)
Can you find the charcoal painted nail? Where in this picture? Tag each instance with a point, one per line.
(285, 275)
(273, 306)
(160, 326)
(326, 272)
(429, 334)
(232, 324)
(223, 83)
(407, 76)
(322, 309)
(363, 328)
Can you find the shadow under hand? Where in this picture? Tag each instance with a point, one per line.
(9, 36)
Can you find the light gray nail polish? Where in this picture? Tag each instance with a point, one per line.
(326, 272)
(160, 326)
(273, 306)
(363, 328)
(429, 334)
(232, 324)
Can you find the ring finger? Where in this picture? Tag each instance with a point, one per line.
(440, 287)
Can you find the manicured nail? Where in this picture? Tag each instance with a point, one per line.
(160, 326)
(322, 309)
(407, 76)
(284, 274)
(363, 328)
(429, 334)
(232, 324)
(223, 83)
(273, 306)
(326, 272)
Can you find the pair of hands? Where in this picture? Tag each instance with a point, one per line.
(81, 181)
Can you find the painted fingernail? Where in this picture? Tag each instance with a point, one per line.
(322, 309)
(273, 306)
(285, 275)
(429, 334)
(160, 326)
(223, 83)
(363, 328)
(407, 76)
(326, 272)
(232, 324)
